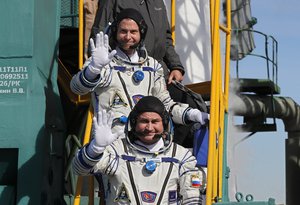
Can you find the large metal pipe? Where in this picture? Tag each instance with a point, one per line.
(288, 111)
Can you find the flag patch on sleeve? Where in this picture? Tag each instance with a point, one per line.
(196, 182)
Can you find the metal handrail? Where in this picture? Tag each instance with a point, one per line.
(219, 105)
(219, 102)
(273, 59)
(173, 20)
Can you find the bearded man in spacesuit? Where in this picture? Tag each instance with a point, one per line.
(145, 167)
(120, 74)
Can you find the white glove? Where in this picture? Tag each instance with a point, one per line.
(102, 133)
(196, 115)
(100, 54)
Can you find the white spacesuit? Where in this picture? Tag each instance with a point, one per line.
(117, 88)
(161, 173)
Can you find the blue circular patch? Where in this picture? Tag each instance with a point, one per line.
(150, 166)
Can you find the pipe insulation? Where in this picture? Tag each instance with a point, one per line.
(283, 108)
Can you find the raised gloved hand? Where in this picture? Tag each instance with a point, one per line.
(196, 115)
(100, 54)
(102, 133)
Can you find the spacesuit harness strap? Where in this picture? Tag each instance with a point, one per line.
(136, 78)
(168, 175)
(125, 90)
(144, 159)
(129, 159)
(124, 68)
(131, 175)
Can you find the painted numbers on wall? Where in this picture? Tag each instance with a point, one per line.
(12, 78)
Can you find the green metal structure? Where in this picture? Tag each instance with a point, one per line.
(32, 122)
(43, 123)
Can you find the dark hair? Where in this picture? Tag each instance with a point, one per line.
(149, 104)
(131, 14)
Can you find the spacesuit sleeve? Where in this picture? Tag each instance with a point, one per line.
(109, 161)
(159, 90)
(81, 85)
(83, 164)
(190, 181)
(106, 163)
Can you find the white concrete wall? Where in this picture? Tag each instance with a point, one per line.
(192, 38)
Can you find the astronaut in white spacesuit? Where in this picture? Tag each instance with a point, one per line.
(145, 167)
(119, 73)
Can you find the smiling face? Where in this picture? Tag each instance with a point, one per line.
(128, 35)
(149, 124)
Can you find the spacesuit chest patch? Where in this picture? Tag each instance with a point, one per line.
(122, 195)
(148, 196)
(136, 98)
(117, 100)
(172, 196)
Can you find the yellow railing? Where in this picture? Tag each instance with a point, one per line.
(218, 97)
(86, 139)
(173, 20)
(218, 102)
(88, 126)
(80, 34)
(64, 76)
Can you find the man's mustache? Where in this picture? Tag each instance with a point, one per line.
(142, 134)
